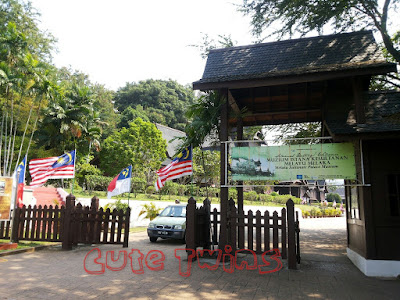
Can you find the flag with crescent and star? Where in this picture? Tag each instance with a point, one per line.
(180, 166)
(20, 173)
(42, 169)
(121, 183)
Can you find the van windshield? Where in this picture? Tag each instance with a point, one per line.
(174, 211)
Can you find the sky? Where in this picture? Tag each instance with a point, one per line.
(121, 41)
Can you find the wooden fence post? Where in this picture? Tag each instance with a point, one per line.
(95, 202)
(291, 235)
(126, 230)
(191, 224)
(67, 234)
(15, 225)
(207, 223)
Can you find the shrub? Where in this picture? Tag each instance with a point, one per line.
(264, 198)
(250, 196)
(233, 193)
(170, 188)
(333, 197)
(313, 212)
(274, 194)
(282, 199)
(138, 185)
(150, 190)
(181, 189)
(150, 210)
(117, 205)
(97, 182)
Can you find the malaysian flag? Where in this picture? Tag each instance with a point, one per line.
(42, 169)
(180, 166)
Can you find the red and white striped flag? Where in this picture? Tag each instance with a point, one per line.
(180, 166)
(42, 169)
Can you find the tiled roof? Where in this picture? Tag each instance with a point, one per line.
(382, 112)
(336, 52)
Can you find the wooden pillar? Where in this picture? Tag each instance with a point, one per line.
(240, 229)
(191, 224)
(223, 136)
(67, 234)
(292, 263)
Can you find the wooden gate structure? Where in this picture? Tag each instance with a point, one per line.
(70, 225)
(256, 232)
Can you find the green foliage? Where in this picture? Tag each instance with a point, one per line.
(282, 199)
(150, 210)
(138, 185)
(334, 197)
(205, 116)
(141, 145)
(265, 198)
(131, 114)
(251, 196)
(316, 212)
(232, 192)
(83, 169)
(274, 194)
(163, 101)
(40, 43)
(118, 205)
(170, 188)
(206, 166)
(150, 190)
(97, 182)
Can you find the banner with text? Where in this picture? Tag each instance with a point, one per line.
(291, 162)
(5, 197)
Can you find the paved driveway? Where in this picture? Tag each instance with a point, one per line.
(325, 273)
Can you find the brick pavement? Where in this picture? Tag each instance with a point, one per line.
(325, 273)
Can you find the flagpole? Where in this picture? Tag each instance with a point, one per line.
(191, 150)
(73, 180)
(130, 185)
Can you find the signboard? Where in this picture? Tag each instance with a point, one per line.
(5, 197)
(291, 162)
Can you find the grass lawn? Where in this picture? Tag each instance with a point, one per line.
(183, 199)
(26, 244)
(137, 229)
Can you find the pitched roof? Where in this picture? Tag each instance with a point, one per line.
(169, 134)
(338, 52)
(382, 113)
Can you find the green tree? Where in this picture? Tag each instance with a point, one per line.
(140, 145)
(303, 16)
(130, 114)
(206, 166)
(163, 101)
(40, 43)
(70, 121)
(333, 197)
(205, 115)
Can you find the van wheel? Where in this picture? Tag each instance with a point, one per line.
(153, 239)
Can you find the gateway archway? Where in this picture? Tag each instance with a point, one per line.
(322, 79)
